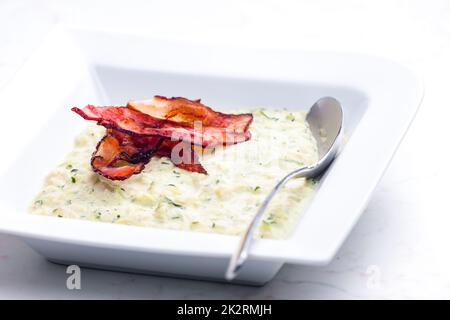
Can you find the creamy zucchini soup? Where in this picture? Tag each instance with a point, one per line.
(165, 196)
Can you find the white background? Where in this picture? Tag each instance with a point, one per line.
(399, 248)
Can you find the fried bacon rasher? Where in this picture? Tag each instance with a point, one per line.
(119, 156)
(163, 127)
(194, 123)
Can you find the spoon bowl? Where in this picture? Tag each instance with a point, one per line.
(325, 119)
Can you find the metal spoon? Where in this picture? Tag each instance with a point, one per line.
(325, 120)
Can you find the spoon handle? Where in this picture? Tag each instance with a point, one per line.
(241, 254)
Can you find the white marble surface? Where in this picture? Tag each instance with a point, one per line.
(399, 248)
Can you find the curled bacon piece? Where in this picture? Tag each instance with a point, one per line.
(187, 112)
(196, 125)
(164, 127)
(117, 157)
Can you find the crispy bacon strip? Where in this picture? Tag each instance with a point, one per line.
(225, 129)
(136, 149)
(117, 157)
(186, 112)
(148, 128)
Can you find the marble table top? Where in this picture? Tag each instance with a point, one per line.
(398, 249)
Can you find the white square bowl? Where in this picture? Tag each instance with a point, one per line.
(76, 67)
